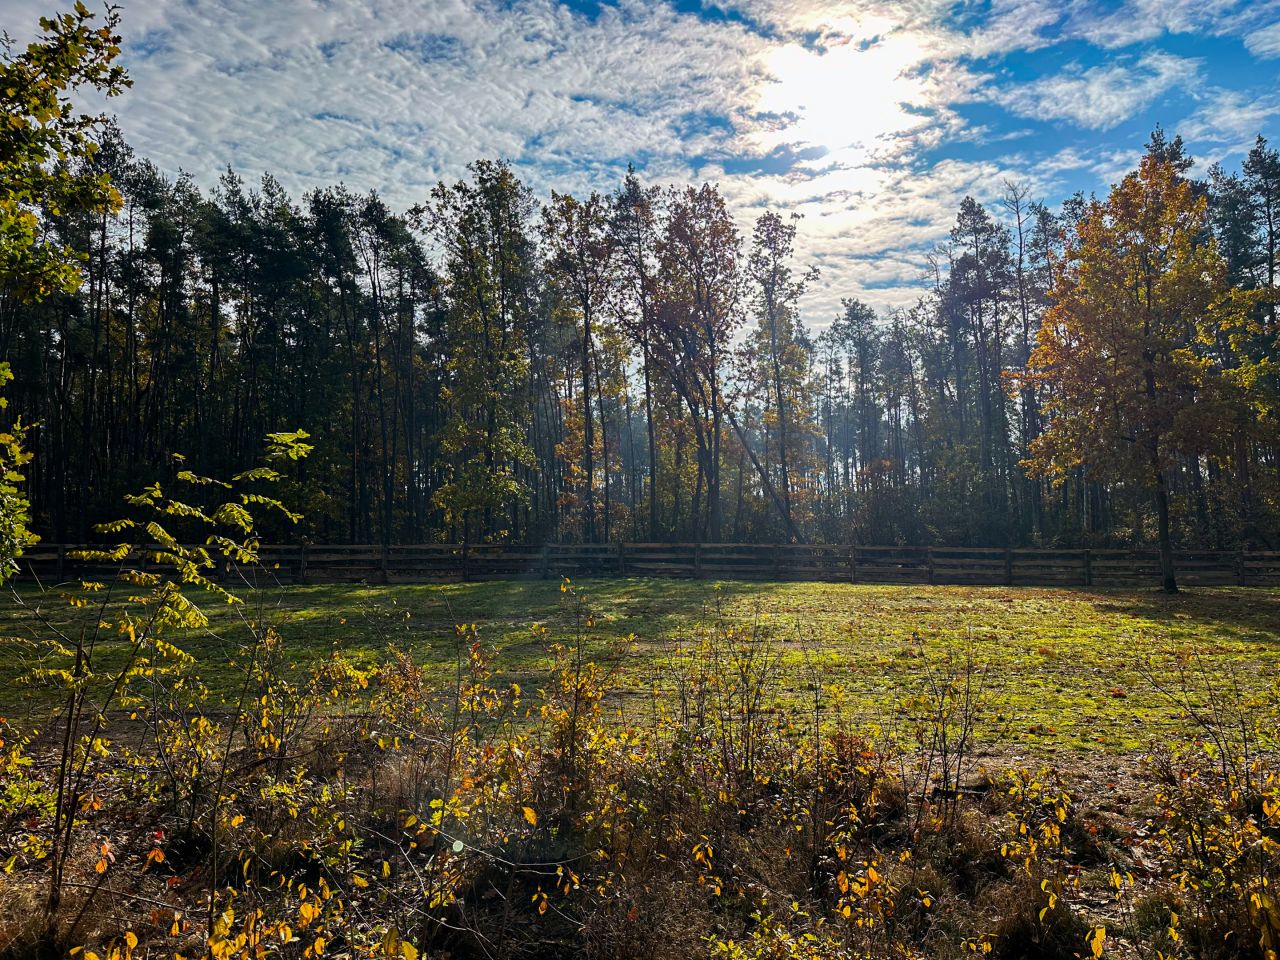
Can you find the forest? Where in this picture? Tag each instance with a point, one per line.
(495, 366)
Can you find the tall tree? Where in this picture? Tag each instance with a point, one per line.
(980, 278)
(484, 227)
(579, 252)
(775, 291)
(1131, 389)
(1262, 179)
(635, 241)
(701, 286)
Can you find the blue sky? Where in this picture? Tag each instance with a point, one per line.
(872, 119)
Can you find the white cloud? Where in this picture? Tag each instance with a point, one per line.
(1265, 41)
(1226, 125)
(1136, 21)
(1099, 97)
(1230, 116)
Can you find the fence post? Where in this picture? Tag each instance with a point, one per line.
(385, 562)
(465, 572)
(62, 562)
(929, 556)
(1008, 566)
(853, 563)
(777, 562)
(622, 559)
(300, 575)
(1088, 568)
(1240, 566)
(697, 561)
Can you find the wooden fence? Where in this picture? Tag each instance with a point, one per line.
(426, 563)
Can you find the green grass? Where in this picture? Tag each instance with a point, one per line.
(1065, 666)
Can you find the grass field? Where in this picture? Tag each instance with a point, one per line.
(1066, 669)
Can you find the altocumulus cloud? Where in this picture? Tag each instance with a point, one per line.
(1102, 96)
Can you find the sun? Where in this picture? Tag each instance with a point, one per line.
(847, 93)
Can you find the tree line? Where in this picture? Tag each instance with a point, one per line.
(630, 365)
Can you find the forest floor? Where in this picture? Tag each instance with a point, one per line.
(1059, 671)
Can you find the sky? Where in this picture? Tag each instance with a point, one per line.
(871, 119)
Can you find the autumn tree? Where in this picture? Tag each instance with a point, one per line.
(579, 254)
(1125, 350)
(699, 257)
(15, 536)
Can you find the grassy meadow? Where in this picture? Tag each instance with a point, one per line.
(1061, 669)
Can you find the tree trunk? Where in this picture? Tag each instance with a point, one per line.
(653, 450)
(1168, 583)
(769, 488)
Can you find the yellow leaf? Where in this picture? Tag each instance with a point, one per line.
(530, 816)
(1098, 940)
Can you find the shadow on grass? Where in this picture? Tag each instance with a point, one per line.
(1055, 652)
(1240, 614)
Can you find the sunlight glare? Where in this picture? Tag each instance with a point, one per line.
(848, 95)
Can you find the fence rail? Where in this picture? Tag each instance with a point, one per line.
(437, 562)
